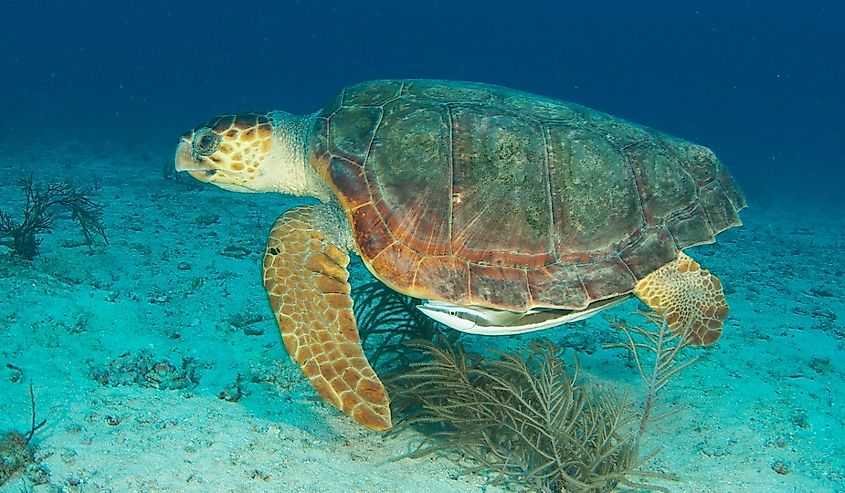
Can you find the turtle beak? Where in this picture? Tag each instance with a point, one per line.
(185, 162)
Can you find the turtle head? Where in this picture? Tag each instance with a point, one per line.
(230, 151)
(250, 152)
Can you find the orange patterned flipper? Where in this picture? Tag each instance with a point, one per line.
(306, 279)
(689, 297)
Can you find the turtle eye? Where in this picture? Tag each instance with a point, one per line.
(205, 142)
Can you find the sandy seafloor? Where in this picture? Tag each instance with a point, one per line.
(763, 410)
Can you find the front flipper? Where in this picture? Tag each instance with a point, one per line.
(689, 297)
(306, 279)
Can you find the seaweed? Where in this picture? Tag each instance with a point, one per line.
(387, 321)
(525, 417)
(656, 341)
(38, 212)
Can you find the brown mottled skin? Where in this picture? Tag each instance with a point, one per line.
(471, 194)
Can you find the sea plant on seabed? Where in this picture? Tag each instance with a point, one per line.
(524, 416)
(655, 340)
(388, 322)
(38, 212)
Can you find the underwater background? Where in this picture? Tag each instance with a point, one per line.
(761, 82)
(154, 358)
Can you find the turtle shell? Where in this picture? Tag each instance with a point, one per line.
(482, 195)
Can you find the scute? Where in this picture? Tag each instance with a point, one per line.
(352, 132)
(373, 93)
(499, 166)
(482, 195)
(406, 178)
(596, 204)
(663, 184)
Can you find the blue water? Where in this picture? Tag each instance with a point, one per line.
(760, 82)
(100, 91)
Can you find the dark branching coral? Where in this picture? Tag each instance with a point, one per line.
(658, 342)
(39, 209)
(524, 417)
(387, 320)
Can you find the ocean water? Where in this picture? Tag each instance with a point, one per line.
(155, 359)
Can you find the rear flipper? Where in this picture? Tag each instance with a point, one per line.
(689, 297)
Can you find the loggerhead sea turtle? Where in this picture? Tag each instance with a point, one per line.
(504, 211)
